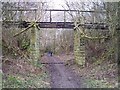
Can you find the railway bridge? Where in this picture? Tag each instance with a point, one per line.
(79, 44)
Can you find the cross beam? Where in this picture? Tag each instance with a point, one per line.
(75, 10)
(21, 9)
(69, 25)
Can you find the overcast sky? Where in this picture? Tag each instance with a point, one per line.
(57, 4)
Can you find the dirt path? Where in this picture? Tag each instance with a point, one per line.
(62, 76)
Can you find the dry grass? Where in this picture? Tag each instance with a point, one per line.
(22, 74)
(102, 75)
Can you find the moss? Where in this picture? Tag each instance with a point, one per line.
(34, 46)
(78, 48)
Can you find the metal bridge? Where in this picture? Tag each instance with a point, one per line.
(69, 25)
(51, 24)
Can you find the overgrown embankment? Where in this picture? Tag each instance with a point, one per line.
(103, 74)
(22, 74)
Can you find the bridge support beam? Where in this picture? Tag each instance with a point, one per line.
(34, 46)
(79, 50)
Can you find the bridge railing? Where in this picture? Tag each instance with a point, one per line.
(69, 15)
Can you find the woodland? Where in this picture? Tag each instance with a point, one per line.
(84, 56)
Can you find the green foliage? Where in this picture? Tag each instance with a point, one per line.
(12, 82)
(36, 63)
(39, 65)
(33, 81)
(91, 83)
(25, 44)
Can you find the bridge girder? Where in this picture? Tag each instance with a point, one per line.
(69, 25)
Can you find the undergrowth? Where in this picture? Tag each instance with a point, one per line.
(23, 74)
(31, 81)
(92, 83)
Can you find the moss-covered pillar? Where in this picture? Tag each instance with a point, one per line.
(113, 19)
(118, 36)
(34, 45)
(79, 49)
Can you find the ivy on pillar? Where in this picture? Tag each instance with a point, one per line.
(78, 49)
(34, 45)
(118, 34)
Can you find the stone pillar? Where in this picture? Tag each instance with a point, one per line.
(79, 49)
(118, 38)
(113, 17)
(34, 45)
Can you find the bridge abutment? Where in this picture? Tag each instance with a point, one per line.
(79, 49)
(34, 45)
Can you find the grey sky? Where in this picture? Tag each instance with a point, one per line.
(57, 4)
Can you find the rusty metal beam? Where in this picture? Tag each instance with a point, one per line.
(34, 9)
(60, 10)
(59, 25)
(75, 10)
(21, 9)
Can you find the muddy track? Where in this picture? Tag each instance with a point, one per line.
(62, 76)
